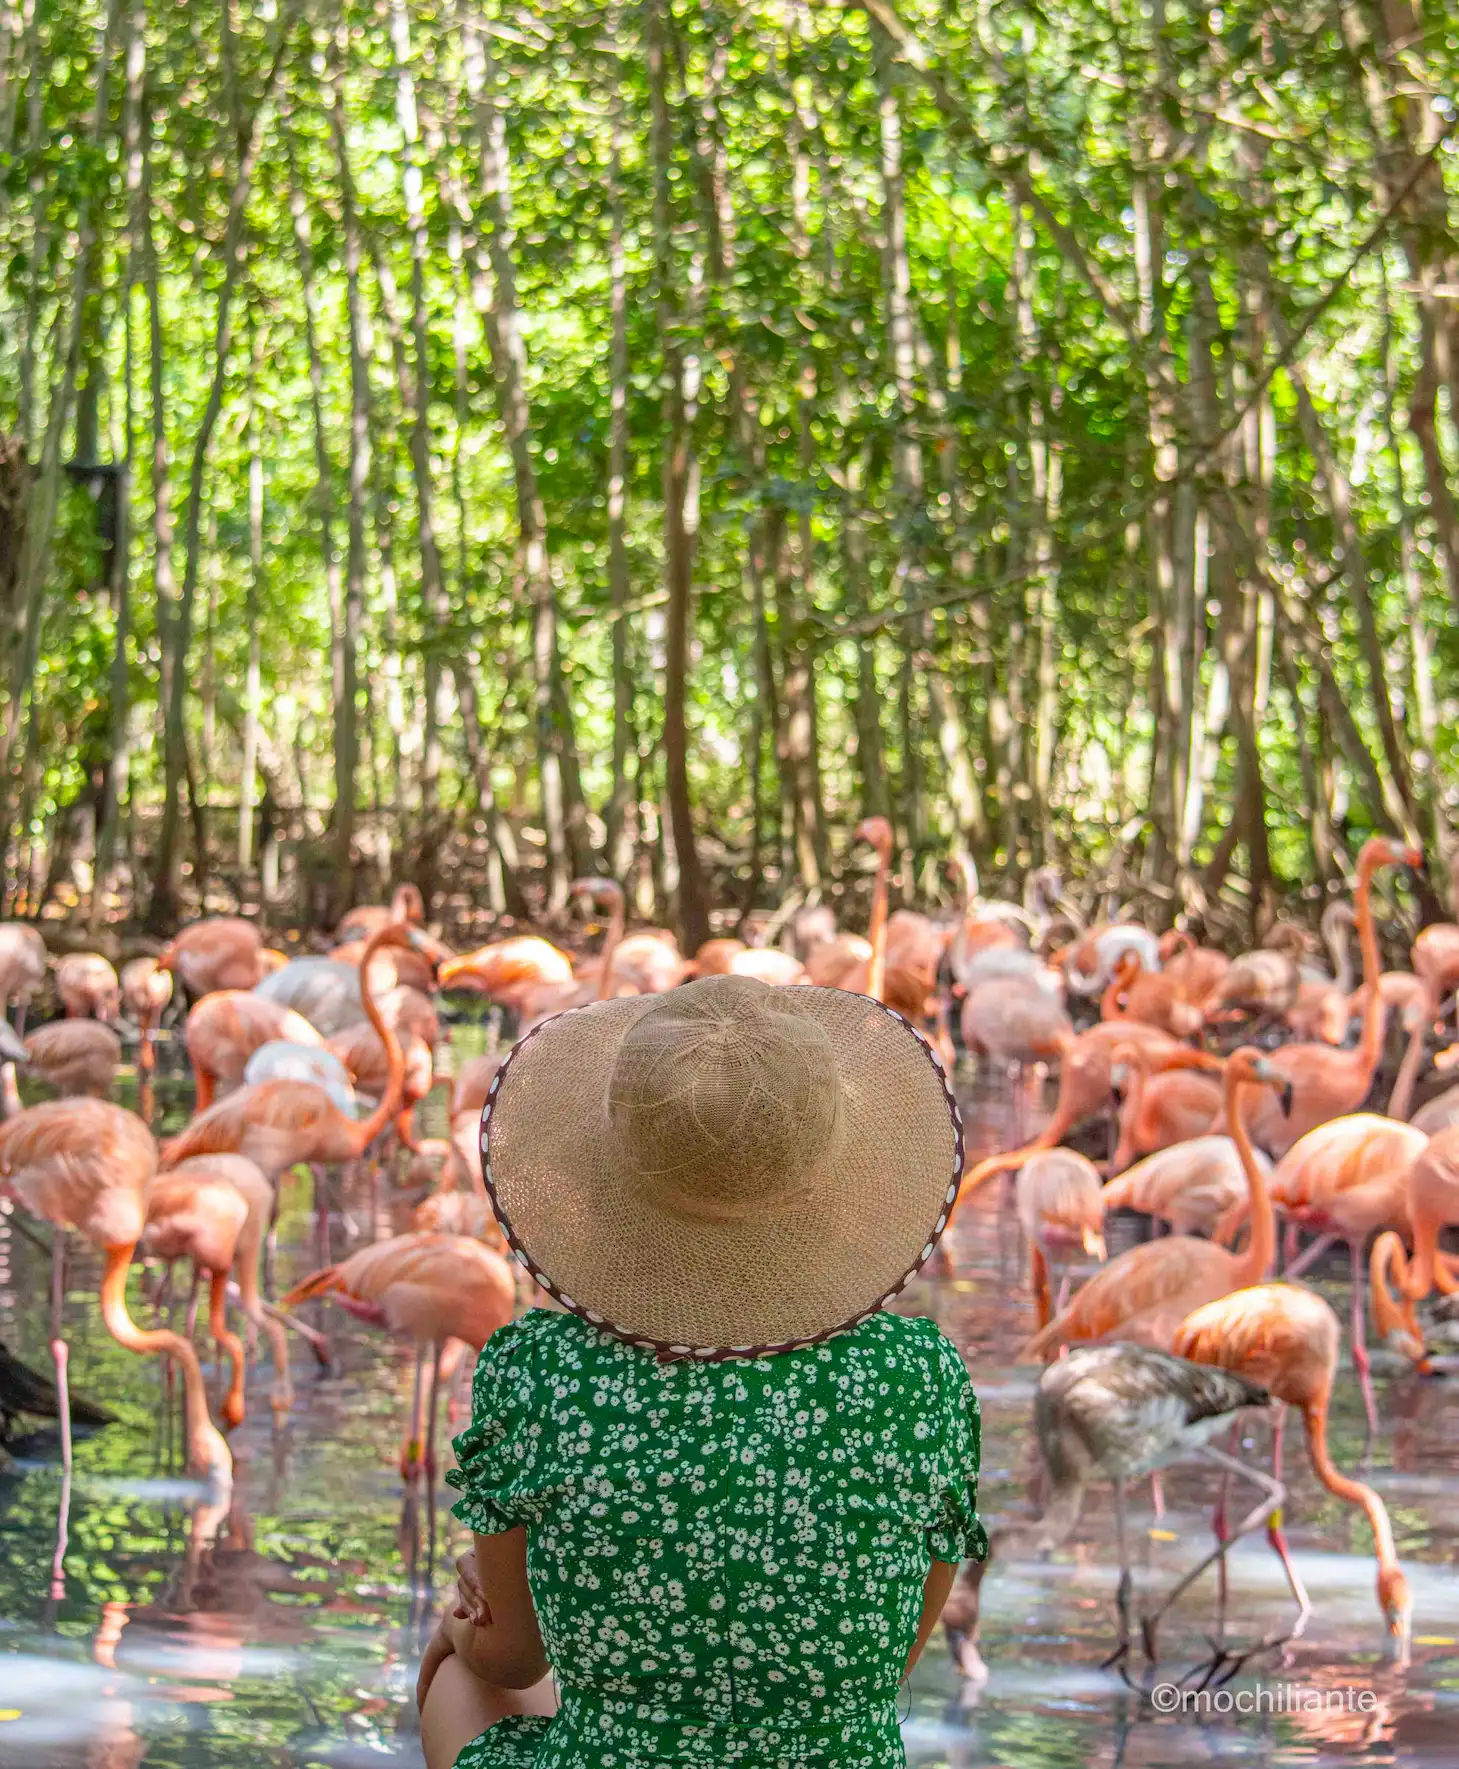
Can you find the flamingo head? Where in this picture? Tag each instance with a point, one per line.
(600, 893)
(407, 904)
(1248, 1064)
(1396, 1601)
(876, 831)
(1382, 851)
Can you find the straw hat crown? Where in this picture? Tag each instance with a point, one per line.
(724, 1106)
(726, 1170)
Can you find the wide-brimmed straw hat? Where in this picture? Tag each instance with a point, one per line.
(726, 1170)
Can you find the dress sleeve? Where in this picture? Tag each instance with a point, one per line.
(496, 1453)
(954, 1530)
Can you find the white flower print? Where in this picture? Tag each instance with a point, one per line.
(786, 1508)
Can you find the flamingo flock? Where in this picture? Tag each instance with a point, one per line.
(1225, 1098)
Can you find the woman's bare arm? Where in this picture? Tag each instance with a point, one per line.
(934, 1594)
(500, 1642)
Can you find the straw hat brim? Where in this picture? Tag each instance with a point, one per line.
(690, 1287)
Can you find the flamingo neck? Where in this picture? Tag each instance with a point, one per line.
(363, 1132)
(612, 940)
(1340, 950)
(876, 932)
(1187, 1058)
(1061, 1515)
(1370, 1046)
(1418, 1280)
(206, 1449)
(1109, 1002)
(1400, 1103)
(1130, 1105)
(1314, 1419)
(1255, 1262)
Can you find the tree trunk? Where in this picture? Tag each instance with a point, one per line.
(347, 729)
(1398, 789)
(495, 283)
(681, 492)
(41, 518)
(134, 156)
(162, 911)
(252, 695)
(340, 873)
(619, 836)
(435, 605)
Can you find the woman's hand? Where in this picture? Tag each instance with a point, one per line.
(471, 1604)
(438, 1650)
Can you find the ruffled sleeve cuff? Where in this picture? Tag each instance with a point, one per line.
(494, 1454)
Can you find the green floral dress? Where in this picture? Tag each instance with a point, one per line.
(727, 1559)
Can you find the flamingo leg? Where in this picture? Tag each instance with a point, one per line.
(1126, 1584)
(1220, 1526)
(1273, 1493)
(451, 1359)
(1038, 1272)
(321, 1212)
(1359, 1328)
(1157, 1494)
(318, 1343)
(1308, 1257)
(410, 1456)
(61, 1355)
(229, 1345)
(1276, 1536)
(433, 1409)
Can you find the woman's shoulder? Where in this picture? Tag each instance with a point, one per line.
(538, 1327)
(543, 1336)
(906, 1338)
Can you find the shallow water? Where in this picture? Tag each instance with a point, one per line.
(285, 1631)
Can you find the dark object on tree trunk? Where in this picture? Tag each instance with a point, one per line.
(14, 502)
(101, 481)
(24, 1390)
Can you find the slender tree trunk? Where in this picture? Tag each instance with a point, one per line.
(135, 132)
(340, 874)
(41, 517)
(1398, 788)
(162, 911)
(253, 618)
(347, 727)
(619, 836)
(563, 811)
(681, 489)
(435, 605)
(1407, 131)
(16, 24)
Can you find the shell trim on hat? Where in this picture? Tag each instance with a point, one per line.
(668, 1351)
